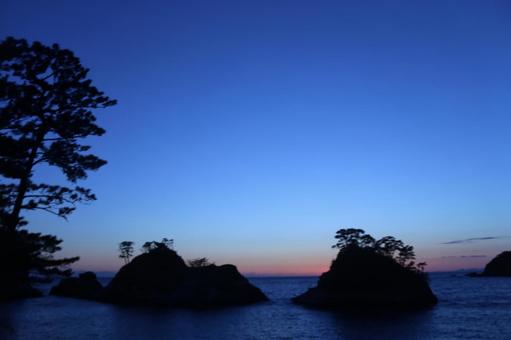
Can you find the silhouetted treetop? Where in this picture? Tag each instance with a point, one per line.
(199, 262)
(389, 246)
(165, 244)
(46, 109)
(353, 237)
(46, 103)
(126, 250)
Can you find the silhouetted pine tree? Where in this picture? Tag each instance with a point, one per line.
(46, 104)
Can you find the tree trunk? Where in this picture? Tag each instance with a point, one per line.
(13, 221)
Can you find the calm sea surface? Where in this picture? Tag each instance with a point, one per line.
(469, 308)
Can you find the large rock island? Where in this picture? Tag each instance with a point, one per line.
(369, 274)
(160, 277)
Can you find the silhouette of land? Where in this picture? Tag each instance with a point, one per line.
(46, 110)
(160, 277)
(85, 286)
(366, 275)
(498, 266)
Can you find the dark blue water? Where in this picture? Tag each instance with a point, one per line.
(469, 308)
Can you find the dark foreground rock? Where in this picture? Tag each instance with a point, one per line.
(11, 289)
(16, 262)
(361, 279)
(161, 277)
(85, 286)
(499, 266)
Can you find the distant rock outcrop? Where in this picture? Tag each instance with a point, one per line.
(499, 266)
(161, 277)
(370, 274)
(85, 286)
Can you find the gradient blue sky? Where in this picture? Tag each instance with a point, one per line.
(251, 131)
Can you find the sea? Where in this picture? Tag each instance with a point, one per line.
(468, 308)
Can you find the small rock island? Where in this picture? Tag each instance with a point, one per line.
(370, 274)
(160, 277)
(498, 266)
(85, 286)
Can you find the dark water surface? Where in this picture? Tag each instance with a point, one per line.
(469, 308)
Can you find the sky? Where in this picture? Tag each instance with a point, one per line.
(250, 131)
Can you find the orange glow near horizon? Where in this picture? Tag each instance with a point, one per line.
(296, 269)
(306, 267)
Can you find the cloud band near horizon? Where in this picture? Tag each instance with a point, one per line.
(474, 239)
